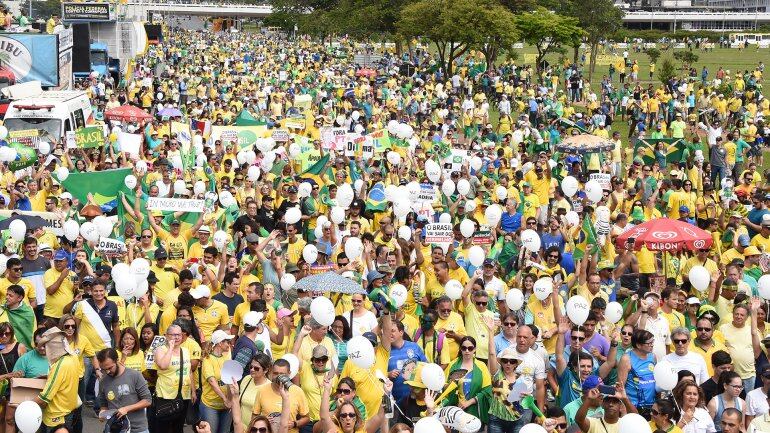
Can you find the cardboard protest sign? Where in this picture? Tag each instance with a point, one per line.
(111, 246)
(175, 204)
(603, 179)
(89, 137)
(437, 233)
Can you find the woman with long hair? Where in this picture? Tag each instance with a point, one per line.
(694, 417)
(257, 378)
(82, 348)
(663, 416)
(131, 355)
(360, 319)
(346, 418)
(9, 354)
(340, 333)
(475, 386)
(731, 385)
(148, 333)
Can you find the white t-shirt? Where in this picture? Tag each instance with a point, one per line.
(701, 423)
(362, 324)
(756, 403)
(691, 362)
(530, 368)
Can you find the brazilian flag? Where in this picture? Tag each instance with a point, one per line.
(587, 237)
(375, 200)
(676, 150)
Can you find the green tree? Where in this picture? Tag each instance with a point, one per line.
(310, 16)
(42, 9)
(688, 58)
(653, 54)
(366, 18)
(599, 19)
(547, 31)
(667, 70)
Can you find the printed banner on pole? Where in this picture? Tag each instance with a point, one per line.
(149, 358)
(380, 140)
(309, 155)
(427, 193)
(245, 136)
(175, 204)
(89, 137)
(333, 138)
(295, 123)
(52, 218)
(27, 137)
(439, 233)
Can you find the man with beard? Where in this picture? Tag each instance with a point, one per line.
(123, 390)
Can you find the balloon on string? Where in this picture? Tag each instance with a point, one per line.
(493, 214)
(231, 373)
(226, 198)
(398, 294)
(394, 158)
(633, 422)
(355, 115)
(293, 364)
(391, 192)
(405, 233)
(532, 428)
(445, 218)
(241, 157)
(392, 127)
(361, 353)
(293, 215)
(120, 271)
(287, 281)
(463, 187)
(356, 185)
(130, 181)
(310, 253)
(321, 220)
(322, 310)
(448, 187)
(514, 299)
(569, 185)
(543, 288)
(531, 240)
(432, 170)
(253, 173)
(578, 309)
(29, 415)
(88, 230)
(476, 255)
(220, 239)
(467, 228)
(501, 192)
(594, 191)
(44, 147)
(251, 157)
(353, 248)
(453, 289)
(141, 166)
(401, 207)
(18, 229)
(199, 187)
(699, 277)
(304, 189)
(294, 150)
(71, 230)
(337, 214)
(125, 288)
(180, 187)
(614, 312)
(763, 285)
(3, 262)
(345, 195)
(572, 218)
(433, 377)
(476, 163)
(62, 173)
(470, 206)
(431, 424)
(359, 129)
(141, 288)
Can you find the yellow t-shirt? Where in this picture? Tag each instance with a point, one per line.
(61, 390)
(209, 319)
(761, 242)
(167, 385)
(135, 361)
(83, 349)
(453, 323)
(431, 345)
(167, 281)
(307, 346)
(135, 315)
(544, 319)
(55, 303)
(477, 328)
(368, 387)
(211, 366)
(87, 330)
(270, 404)
(29, 289)
(248, 393)
(312, 385)
(740, 347)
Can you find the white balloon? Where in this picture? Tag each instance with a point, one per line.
(345, 195)
(448, 187)
(633, 422)
(130, 181)
(44, 147)
(359, 129)
(391, 193)
(141, 288)
(241, 157)
(251, 157)
(398, 294)
(476, 255)
(445, 218)
(287, 281)
(253, 173)
(294, 150)
(401, 207)
(199, 187)
(232, 372)
(3, 132)
(28, 415)
(293, 364)
(361, 352)
(405, 233)
(476, 163)
(356, 185)
(543, 288)
(463, 187)
(493, 214)
(594, 191)
(103, 225)
(180, 187)
(532, 428)
(120, 271)
(176, 162)
(433, 377)
(453, 289)
(578, 309)
(220, 239)
(392, 127)
(322, 311)
(699, 278)
(304, 189)
(428, 424)
(467, 227)
(614, 312)
(531, 240)
(71, 230)
(318, 231)
(572, 218)
(665, 375)
(18, 230)
(125, 288)
(514, 299)
(338, 215)
(432, 170)
(141, 166)
(353, 248)
(394, 158)
(470, 206)
(293, 215)
(501, 192)
(321, 220)
(310, 254)
(3, 262)
(355, 115)
(569, 185)
(140, 267)
(225, 198)
(763, 285)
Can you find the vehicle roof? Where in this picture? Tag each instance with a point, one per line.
(49, 97)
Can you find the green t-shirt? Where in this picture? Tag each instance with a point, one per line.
(32, 365)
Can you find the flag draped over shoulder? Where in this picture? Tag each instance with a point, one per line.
(375, 200)
(316, 170)
(586, 237)
(103, 185)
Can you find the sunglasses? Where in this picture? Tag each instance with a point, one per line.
(655, 412)
(561, 425)
(481, 303)
(509, 323)
(16, 269)
(553, 256)
(70, 326)
(509, 361)
(146, 236)
(258, 430)
(626, 333)
(576, 338)
(255, 368)
(344, 391)
(447, 310)
(347, 415)
(468, 348)
(678, 341)
(702, 329)
(321, 359)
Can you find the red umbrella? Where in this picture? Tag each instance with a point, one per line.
(664, 234)
(127, 113)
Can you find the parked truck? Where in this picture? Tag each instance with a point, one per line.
(101, 62)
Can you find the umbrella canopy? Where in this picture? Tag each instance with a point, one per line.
(32, 221)
(585, 143)
(127, 113)
(664, 234)
(329, 282)
(170, 112)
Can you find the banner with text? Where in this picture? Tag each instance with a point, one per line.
(175, 204)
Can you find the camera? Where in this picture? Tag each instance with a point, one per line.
(284, 380)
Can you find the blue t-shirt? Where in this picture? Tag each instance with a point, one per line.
(510, 223)
(548, 240)
(570, 388)
(398, 358)
(755, 216)
(23, 204)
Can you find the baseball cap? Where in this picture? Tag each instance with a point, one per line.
(204, 229)
(44, 247)
(605, 264)
(176, 223)
(737, 261)
(219, 336)
(202, 291)
(371, 336)
(526, 184)
(66, 195)
(374, 275)
(252, 318)
(117, 424)
(684, 209)
(507, 353)
(357, 203)
(103, 269)
(60, 255)
(320, 351)
(284, 312)
(751, 250)
(252, 238)
(152, 278)
(292, 189)
(692, 300)
(488, 262)
(651, 293)
(743, 240)
(87, 280)
(161, 253)
(591, 382)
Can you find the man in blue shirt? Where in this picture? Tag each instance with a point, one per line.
(19, 198)
(507, 336)
(510, 221)
(402, 352)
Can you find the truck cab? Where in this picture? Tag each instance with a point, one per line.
(101, 62)
(52, 113)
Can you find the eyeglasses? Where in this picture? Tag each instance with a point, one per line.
(148, 237)
(259, 430)
(577, 338)
(481, 303)
(321, 359)
(509, 323)
(702, 329)
(255, 368)
(509, 361)
(70, 326)
(678, 341)
(445, 310)
(468, 348)
(531, 223)
(347, 415)
(344, 391)
(739, 386)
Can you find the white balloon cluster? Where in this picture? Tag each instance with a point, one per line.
(7, 154)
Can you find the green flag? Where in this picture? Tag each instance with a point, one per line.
(587, 237)
(103, 185)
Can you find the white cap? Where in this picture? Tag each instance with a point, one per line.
(219, 336)
(201, 291)
(66, 195)
(692, 300)
(44, 246)
(204, 228)
(252, 318)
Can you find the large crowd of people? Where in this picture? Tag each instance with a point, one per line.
(388, 281)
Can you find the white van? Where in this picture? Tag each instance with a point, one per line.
(53, 112)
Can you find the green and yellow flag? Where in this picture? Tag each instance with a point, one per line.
(586, 237)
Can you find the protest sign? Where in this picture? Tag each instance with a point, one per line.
(351, 147)
(52, 218)
(183, 135)
(454, 161)
(89, 137)
(280, 135)
(27, 137)
(70, 140)
(427, 193)
(175, 204)
(332, 138)
(603, 179)
(483, 236)
(380, 141)
(437, 233)
(303, 102)
(308, 155)
(149, 358)
(130, 143)
(295, 123)
(244, 136)
(111, 246)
